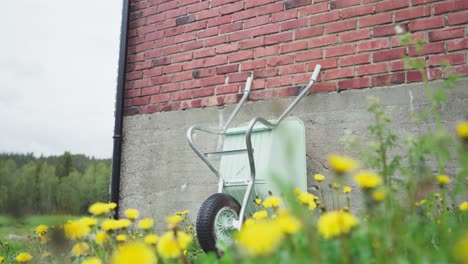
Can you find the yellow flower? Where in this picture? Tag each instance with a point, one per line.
(146, 223)
(121, 238)
(462, 129)
(260, 215)
(287, 223)
(89, 221)
(46, 254)
(174, 220)
(346, 189)
(443, 179)
(133, 252)
(101, 237)
(460, 250)
(41, 230)
(122, 223)
(368, 179)
(297, 191)
(1, 259)
(272, 202)
(260, 238)
(336, 223)
(464, 206)
(342, 164)
(185, 212)
(80, 249)
(112, 206)
(151, 239)
(23, 257)
(378, 196)
(109, 224)
(172, 245)
(75, 230)
(258, 201)
(99, 208)
(306, 198)
(92, 260)
(319, 177)
(131, 213)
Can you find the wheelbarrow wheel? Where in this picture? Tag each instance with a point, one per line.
(214, 220)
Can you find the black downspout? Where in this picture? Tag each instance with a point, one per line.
(119, 103)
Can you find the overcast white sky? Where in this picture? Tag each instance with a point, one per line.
(58, 72)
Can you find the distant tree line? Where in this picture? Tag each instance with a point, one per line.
(54, 184)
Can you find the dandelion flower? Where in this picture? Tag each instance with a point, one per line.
(90, 221)
(109, 224)
(346, 189)
(46, 254)
(122, 223)
(131, 213)
(172, 245)
(319, 177)
(464, 206)
(272, 202)
(462, 130)
(443, 179)
(460, 249)
(1, 259)
(306, 198)
(378, 196)
(368, 180)
(336, 223)
(342, 164)
(80, 249)
(146, 223)
(258, 201)
(151, 239)
(260, 238)
(260, 215)
(75, 230)
(101, 237)
(99, 208)
(121, 238)
(287, 223)
(41, 230)
(112, 206)
(297, 191)
(23, 257)
(185, 212)
(133, 252)
(174, 220)
(92, 260)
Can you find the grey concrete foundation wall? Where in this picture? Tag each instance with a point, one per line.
(161, 174)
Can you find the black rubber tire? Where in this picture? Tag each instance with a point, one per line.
(206, 217)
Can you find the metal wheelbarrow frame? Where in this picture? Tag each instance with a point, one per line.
(221, 213)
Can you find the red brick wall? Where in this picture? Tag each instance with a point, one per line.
(197, 53)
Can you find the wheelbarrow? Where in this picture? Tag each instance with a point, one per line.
(252, 160)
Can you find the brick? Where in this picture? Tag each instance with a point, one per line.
(181, 76)
(141, 83)
(207, 13)
(324, 18)
(150, 90)
(181, 95)
(388, 79)
(132, 93)
(422, 24)
(339, 73)
(208, 32)
(457, 44)
(416, 76)
(458, 18)
(308, 55)
(355, 83)
(161, 80)
(265, 30)
(337, 4)
(258, 84)
(202, 73)
(172, 68)
(355, 35)
(446, 34)
(229, 9)
(340, 26)
(252, 43)
(160, 98)
(377, 19)
(419, 2)
(399, 65)
(227, 48)
(285, 15)
(450, 6)
(185, 20)
(372, 69)
(415, 37)
(289, 91)
(227, 69)
(452, 59)
(322, 41)
(266, 51)
(293, 47)
(243, 15)
(339, 50)
(190, 84)
(289, 4)
(308, 32)
(412, 13)
(170, 87)
(217, 21)
(254, 3)
(226, 89)
(390, 54)
(357, 11)
(326, 64)
(185, 37)
(430, 48)
(280, 60)
(463, 70)
(271, 8)
(390, 5)
(324, 87)
(292, 69)
(215, 3)
(215, 41)
(195, 26)
(298, 23)
(134, 76)
(256, 21)
(278, 38)
(238, 77)
(241, 56)
(232, 98)
(260, 95)
(192, 45)
(386, 30)
(245, 34)
(204, 53)
(313, 9)
(193, 64)
(218, 60)
(280, 81)
(265, 73)
(230, 28)
(251, 65)
(212, 81)
(354, 60)
(198, 7)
